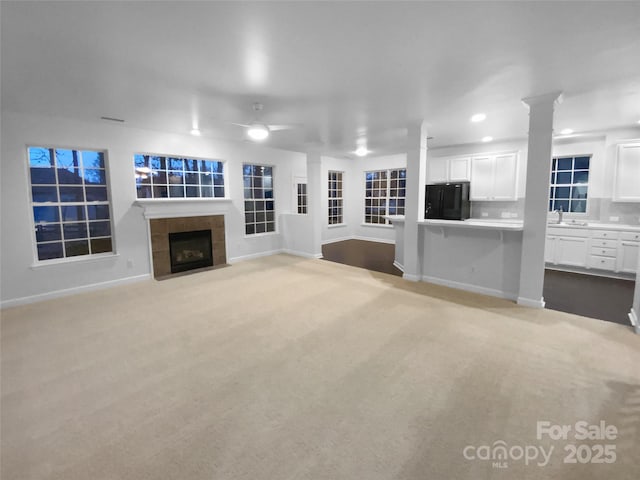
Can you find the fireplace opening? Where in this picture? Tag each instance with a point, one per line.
(190, 250)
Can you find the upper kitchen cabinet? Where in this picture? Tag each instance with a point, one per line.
(448, 169)
(494, 177)
(626, 187)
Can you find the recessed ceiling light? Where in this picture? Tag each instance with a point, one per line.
(196, 132)
(487, 139)
(258, 132)
(638, 121)
(478, 117)
(566, 131)
(361, 151)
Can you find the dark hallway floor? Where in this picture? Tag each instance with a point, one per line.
(587, 295)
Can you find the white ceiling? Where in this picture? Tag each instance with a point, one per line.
(343, 70)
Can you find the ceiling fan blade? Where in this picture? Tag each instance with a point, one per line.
(241, 125)
(275, 128)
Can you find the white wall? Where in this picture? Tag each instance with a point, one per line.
(20, 279)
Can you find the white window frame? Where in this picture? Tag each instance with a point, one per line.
(387, 197)
(552, 184)
(153, 198)
(59, 204)
(336, 201)
(256, 200)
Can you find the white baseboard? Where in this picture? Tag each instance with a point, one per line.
(410, 277)
(633, 318)
(372, 239)
(72, 291)
(398, 266)
(530, 302)
(468, 287)
(251, 256)
(335, 240)
(302, 254)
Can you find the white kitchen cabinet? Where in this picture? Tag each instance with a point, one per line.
(494, 177)
(448, 169)
(571, 251)
(460, 169)
(628, 256)
(599, 249)
(550, 249)
(626, 186)
(438, 170)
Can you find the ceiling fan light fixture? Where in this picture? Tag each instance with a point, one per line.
(257, 132)
(196, 132)
(361, 151)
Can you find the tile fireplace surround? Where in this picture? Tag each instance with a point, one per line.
(160, 229)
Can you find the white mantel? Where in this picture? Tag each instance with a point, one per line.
(182, 207)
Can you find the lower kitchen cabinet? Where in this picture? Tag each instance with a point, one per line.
(605, 250)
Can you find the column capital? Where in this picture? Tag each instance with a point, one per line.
(554, 98)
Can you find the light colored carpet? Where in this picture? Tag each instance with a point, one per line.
(288, 368)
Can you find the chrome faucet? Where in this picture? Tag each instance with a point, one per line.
(559, 212)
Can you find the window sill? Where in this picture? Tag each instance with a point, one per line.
(155, 201)
(74, 260)
(336, 225)
(263, 234)
(381, 225)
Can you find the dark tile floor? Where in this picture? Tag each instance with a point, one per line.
(587, 295)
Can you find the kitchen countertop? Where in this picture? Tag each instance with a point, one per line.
(493, 224)
(595, 226)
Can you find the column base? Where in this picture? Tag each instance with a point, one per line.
(633, 318)
(529, 302)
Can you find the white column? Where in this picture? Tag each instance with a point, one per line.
(634, 314)
(314, 200)
(414, 204)
(536, 203)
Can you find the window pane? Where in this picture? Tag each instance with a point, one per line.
(46, 214)
(579, 206)
(75, 248)
(582, 163)
(100, 229)
(565, 163)
(48, 232)
(101, 245)
(72, 194)
(578, 192)
(40, 157)
(206, 179)
(47, 251)
(206, 191)
(191, 178)
(563, 178)
(219, 192)
(72, 212)
(158, 163)
(143, 191)
(43, 176)
(95, 177)
(175, 164)
(192, 191)
(75, 230)
(92, 159)
(98, 212)
(581, 177)
(176, 191)
(96, 194)
(44, 194)
(562, 192)
(564, 204)
(69, 176)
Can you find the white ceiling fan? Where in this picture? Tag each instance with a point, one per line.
(258, 130)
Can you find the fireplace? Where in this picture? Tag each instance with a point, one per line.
(190, 250)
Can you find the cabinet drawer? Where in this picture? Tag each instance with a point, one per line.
(602, 263)
(612, 234)
(633, 236)
(601, 242)
(604, 251)
(568, 232)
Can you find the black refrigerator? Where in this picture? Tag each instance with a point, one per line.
(447, 201)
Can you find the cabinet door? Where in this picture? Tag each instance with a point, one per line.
(571, 251)
(459, 169)
(481, 178)
(505, 177)
(437, 170)
(628, 256)
(550, 249)
(626, 187)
